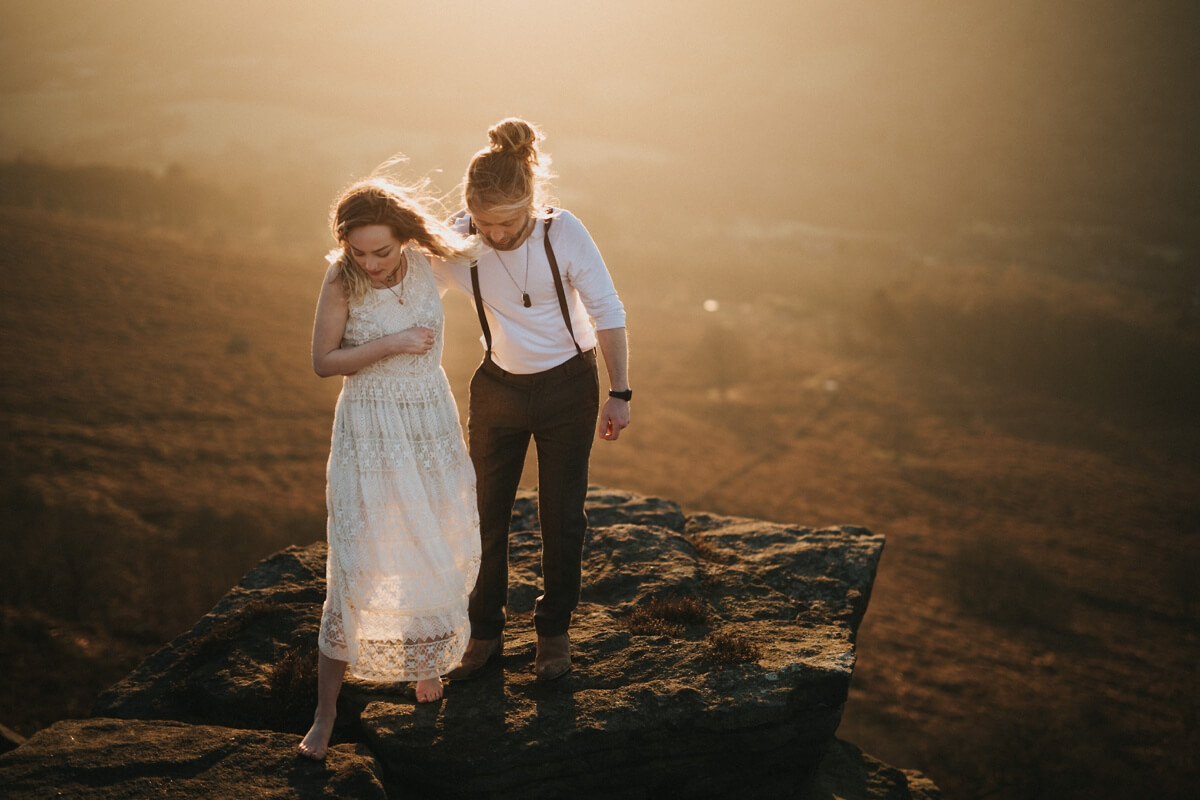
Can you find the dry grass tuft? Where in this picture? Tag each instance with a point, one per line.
(642, 623)
(729, 648)
(667, 616)
(295, 675)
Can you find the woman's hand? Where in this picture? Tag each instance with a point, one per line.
(415, 340)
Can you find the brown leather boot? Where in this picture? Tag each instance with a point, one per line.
(477, 656)
(553, 658)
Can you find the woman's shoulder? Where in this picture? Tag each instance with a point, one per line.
(428, 267)
(332, 281)
(417, 258)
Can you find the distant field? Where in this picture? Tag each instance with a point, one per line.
(1021, 427)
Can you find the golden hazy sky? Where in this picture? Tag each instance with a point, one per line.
(835, 112)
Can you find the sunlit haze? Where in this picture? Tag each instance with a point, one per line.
(927, 267)
(700, 117)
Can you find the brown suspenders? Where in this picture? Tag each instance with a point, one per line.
(558, 287)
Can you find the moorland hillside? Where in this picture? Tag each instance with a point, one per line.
(1015, 411)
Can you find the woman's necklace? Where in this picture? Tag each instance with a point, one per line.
(403, 266)
(525, 301)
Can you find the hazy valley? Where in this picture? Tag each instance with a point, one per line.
(1015, 410)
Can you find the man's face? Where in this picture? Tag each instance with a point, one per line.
(501, 230)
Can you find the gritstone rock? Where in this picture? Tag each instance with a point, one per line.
(711, 655)
(116, 758)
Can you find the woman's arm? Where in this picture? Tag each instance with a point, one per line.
(330, 358)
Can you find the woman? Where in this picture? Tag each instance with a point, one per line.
(403, 528)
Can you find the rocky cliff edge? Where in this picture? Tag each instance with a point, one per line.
(713, 656)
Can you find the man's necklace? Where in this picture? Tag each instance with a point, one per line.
(392, 277)
(525, 301)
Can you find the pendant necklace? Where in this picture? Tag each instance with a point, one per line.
(525, 301)
(403, 265)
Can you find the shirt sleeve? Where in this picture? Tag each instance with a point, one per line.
(453, 273)
(441, 274)
(584, 269)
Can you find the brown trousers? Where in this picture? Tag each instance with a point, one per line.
(559, 409)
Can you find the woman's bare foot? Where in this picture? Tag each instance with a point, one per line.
(316, 742)
(429, 690)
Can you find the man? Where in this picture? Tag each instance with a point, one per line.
(538, 379)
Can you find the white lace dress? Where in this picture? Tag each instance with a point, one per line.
(403, 525)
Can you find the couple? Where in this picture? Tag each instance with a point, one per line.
(417, 574)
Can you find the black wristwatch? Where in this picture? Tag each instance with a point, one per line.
(626, 395)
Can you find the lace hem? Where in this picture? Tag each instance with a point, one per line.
(394, 660)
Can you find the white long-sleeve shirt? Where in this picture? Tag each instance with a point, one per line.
(534, 339)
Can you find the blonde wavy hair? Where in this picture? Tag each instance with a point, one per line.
(510, 174)
(405, 210)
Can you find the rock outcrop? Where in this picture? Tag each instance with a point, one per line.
(713, 656)
(117, 758)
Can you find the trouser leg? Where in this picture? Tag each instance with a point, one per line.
(563, 430)
(497, 439)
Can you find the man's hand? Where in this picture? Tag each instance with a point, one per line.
(614, 418)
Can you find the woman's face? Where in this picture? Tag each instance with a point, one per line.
(376, 250)
(501, 230)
